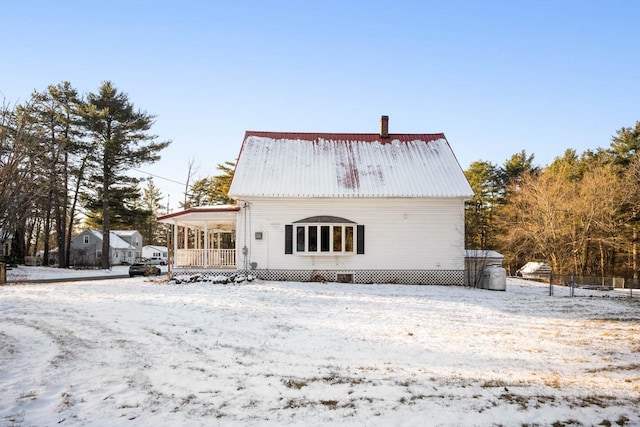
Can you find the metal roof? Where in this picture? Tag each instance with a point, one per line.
(277, 164)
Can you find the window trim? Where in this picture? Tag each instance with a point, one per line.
(299, 234)
(325, 239)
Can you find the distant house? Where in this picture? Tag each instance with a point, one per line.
(5, 244)
(133, 237)
(364, 208)
(86, 247)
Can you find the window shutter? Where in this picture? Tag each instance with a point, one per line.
(360, 240)
(288, 239)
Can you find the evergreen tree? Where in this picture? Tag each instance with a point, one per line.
(213, 190)
(514, 169)
(126, 211)
(479, 211)
(222, 183)
(625, 146)
(152, 232)
(121, 139)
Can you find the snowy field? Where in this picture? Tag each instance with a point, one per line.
(141, 352)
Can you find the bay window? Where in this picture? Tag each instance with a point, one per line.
(324, 235)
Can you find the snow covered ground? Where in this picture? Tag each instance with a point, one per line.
(139, 351)
(44, 273)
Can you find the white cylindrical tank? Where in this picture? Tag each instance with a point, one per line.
(494, 278)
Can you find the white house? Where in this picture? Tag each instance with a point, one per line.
(364, 208)
(125, 246)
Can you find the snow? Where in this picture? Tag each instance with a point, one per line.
(115, 239)
(140, 351)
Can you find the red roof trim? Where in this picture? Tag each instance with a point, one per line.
(365, 137)
(198, 210)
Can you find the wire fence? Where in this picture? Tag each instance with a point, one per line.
(576, 285)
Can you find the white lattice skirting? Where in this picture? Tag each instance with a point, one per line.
(409, 277)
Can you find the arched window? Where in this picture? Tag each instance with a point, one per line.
(324, 234)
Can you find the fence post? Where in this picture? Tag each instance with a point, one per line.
(3, 273)
(573, 283)
(551, 283)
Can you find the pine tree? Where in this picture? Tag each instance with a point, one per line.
(151, 230)
(479, 211)
(213, 190)
(121, 139)
(626, 144)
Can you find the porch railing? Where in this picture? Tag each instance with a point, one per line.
(211, 258)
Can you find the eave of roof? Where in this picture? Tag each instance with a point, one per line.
(200, 209)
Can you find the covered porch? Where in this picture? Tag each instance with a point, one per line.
(202, 237)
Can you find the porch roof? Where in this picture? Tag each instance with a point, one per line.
(216, 218)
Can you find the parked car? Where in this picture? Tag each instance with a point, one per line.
(158, 260)
(144, 269)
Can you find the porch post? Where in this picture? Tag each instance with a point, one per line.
(206, 245)
(175, 243)
(185, 237)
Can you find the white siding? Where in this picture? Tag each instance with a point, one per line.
(400, 234)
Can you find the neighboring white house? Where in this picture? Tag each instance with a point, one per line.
(86, 247)
(364, 208)
(156, 254)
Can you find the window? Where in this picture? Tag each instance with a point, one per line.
(348, 239)
(324, 238)
(324, 235)
(300, 233)
(313, 238)
(288, 239)
(337, 239)
(86, 239)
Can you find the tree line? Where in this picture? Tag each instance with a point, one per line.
(65, 156)
(580, 213)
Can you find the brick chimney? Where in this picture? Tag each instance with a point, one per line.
(384, 127)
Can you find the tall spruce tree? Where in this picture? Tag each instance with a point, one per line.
(122, 141)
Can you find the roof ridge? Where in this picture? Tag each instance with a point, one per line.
(266, 132)
(346, 137)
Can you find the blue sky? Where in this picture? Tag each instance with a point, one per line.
(496, 77)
